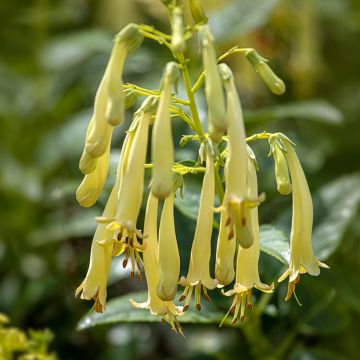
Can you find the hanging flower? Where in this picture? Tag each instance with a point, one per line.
(162, 142)
(236, 202)
(169, 258)
(177, 25)
(302, 258)
(166, 309)
(217, 121)
(198, 276)
(247, 273)
(95, 282)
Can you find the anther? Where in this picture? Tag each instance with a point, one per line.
(185, 308)
(242, 318)
(198, 307)
(232, 310)
(132, 274)
(250, 307)
(182, 297)
(125, 262)
(206, 298)
(228, 221)
(231, 234)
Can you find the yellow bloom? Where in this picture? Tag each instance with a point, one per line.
(247, 273)
(131, 189)
(126, 41)
(177, 41)
(95, 282)
(162, 141)
(91, 187)
(225, 253)
(169, 258)
(213, 88)
(302, 258)
(236, 202)
(198, 276)
(166, 309)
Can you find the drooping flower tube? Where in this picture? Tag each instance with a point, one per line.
(198, 276)
(247, 273)
(177, 25)
(162, 150)
(166, 309)
(236, 203)
(131, 188)
(92, 185)
(273, 82)
(302, 258)
(95, 282)
(217, 120)
(282, 176)
(169, 258)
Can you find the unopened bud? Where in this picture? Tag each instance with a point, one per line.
(87, 164)
(197, 12)
(273, 82)
(130, 99)
(178, 42)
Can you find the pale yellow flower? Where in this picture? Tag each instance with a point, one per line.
(166, 309)
(177, 25)
(169, 258)
(302, 258)
(198, 276)
(237, 203)
(92, 185)
(162, 141)
(247, 273)
(217, 120)
(95, 282)
(197, 12)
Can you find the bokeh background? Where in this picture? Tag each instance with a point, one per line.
(53, 53)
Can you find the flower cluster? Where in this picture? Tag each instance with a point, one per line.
(223, 154)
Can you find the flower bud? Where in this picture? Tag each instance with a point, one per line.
(177, 25)
(197, 12)
(281, 168)
(162, 141)
(130, 99)
(91, 187)
(273, 82)
(87, 164)
(169, 258)
(213, 87)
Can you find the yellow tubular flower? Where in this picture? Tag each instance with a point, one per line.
(213, 88)
(236, 202)
(177, 41)
(302, 258)
(87, 164)
(91, 187)
(225, 252)
(131, 188)
(95, 282)
(162, 141)
(247, 273)
(166, 309)
(126, 41)
(198, 276)
(169, 258)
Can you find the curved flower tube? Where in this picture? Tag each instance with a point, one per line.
(247, 273)
(166, 309)
(236, 202)
(198, 276)
(302, 258)
(162, 151)
(95, 282)
(169, 258)
(217, 119)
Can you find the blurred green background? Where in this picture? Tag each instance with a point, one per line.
(53, 54)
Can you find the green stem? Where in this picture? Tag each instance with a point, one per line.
(219, 188)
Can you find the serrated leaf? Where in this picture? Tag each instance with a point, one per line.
(314, 110)
(274, 243)
(120, 310)
(340, 199)
(241, 17)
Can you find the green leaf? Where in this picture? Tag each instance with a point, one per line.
(241, 17)
(274, 243)
(340, 199)
(315, 354)
(314, 110)
(119, 310)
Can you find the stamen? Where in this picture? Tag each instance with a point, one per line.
(183, 295)
(198, 296)
(205, 293)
